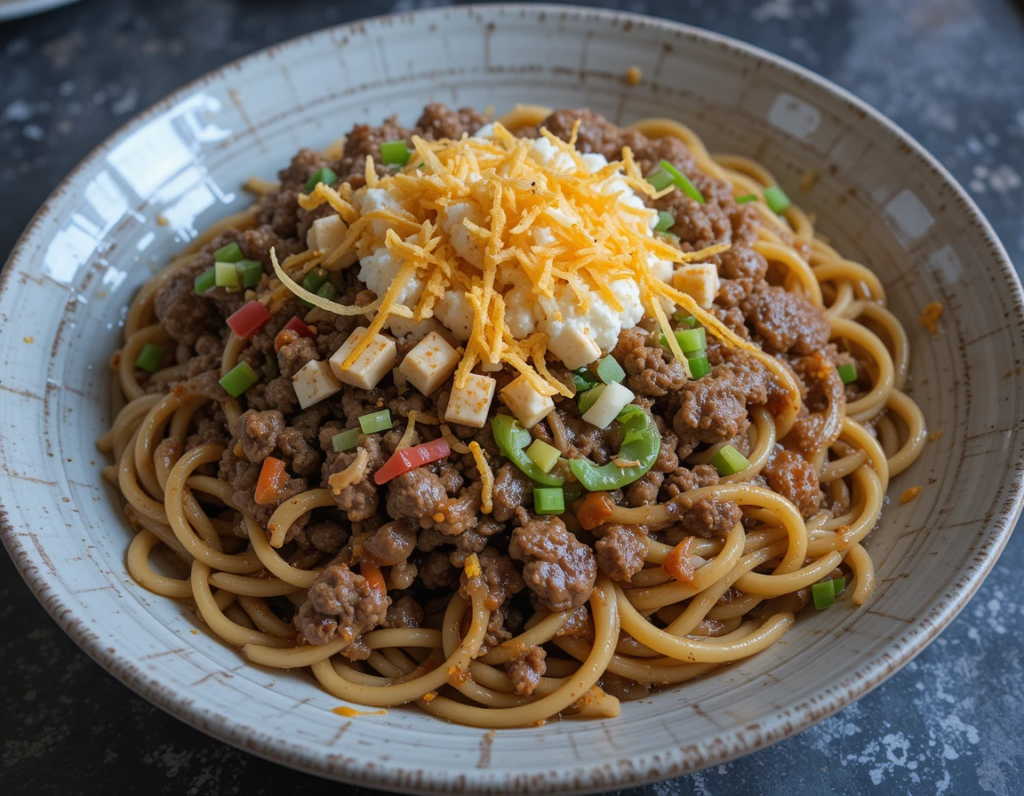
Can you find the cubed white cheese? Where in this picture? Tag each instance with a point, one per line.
(469, 405)
(528, 405)
(378, 358)
(400, 379)
(574, 347)
(327, 234)
(613, 399)
(699, 280)
(488, 367)
(314, 382)
(430, 363)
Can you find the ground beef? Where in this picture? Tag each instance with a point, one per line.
(257, 433)
(304, 165)
(437, 572)
(294, 449)
(559, 569)
(786, 321)
(183, 313)
(292, 356)
(326, 535)
(499, 575)
(416, 495)
(739, 262)
(364, 140)
(340, 604)
(650, 369)
(621, 551)
(573, 436)
(391, 543)
(404, 612)
(525, 672)
(623, 688)
(710, 517)
(511, 489)
(439, 121)
(683, 479)
(280, 395)
(793, 477)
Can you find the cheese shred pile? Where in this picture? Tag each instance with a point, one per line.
(597, 239)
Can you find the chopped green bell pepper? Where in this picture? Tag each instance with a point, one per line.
(641, 443)
(512, 439)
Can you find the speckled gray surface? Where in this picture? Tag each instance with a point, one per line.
(949, 71)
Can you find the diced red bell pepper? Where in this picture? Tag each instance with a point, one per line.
(291, 332)
(296, 325)
(249, 319)
(410, 458)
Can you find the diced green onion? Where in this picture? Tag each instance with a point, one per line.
(776, 199)
(543, 455)
(327, 291)
(583, 379)
(149, 357)
(689, 340)
(589, 398)
(839, 586)
(226, 275)
(239, 379)
(314, 279)
(824, 595)
(699, 367)
(669, 236)
(250, 271)
(847, 372)
(608, 370)
(346, 440)
(729, 461)
(394, 153)
(549, 500)
(376, 421)
(665, 221)
(206, 280)
(660, 179)
(228, 254)
(682, 182)
(324, 175)
(682, 316)
(742, 200)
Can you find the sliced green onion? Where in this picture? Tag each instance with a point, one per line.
(699, 367)
(239, 379)
(839, 586)
(682, 182)
(684, 317)
(776, 199)
(549, 500)
(543, 455)
(250, 271)
(376, 421)
(226, 275)
(669, 236)
(660, 179)
(729, 461)
(847, 372)
(665, 221)
(589, 398)
(608, 370)
(689, 339)
(228, 254)
(149, 357)
(324, 175)
(742, 200)
(327, 291)
(314, 279)
(346, 440)
(583, 379)
(824, 595)
(394, 153)
(206, 280)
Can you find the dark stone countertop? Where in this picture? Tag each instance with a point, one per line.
(951, 72)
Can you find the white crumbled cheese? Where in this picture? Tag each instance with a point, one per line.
(371, 366)
(613, 399)
(456, 313)
(466, 246)
(379, 270)
(326, 234)
(430, 363)
(486, 132)
(699, 280)
(547, 154)
(543, 236)
(378, 199)
(314, 382)
(469, 405)
(528, 405)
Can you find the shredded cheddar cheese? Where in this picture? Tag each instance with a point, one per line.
(486, 477)
(507, 198)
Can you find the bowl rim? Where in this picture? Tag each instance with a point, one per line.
(655, 765)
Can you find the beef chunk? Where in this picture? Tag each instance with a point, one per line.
(559, 569)
(340, 604)
(511, 489)
(391, 543)
(257, 432)
(621, 551)
(404, 612)
(500, 576)
(650, 369)
(786, 321)
(525, 672)
(793, 477)
(710, 517)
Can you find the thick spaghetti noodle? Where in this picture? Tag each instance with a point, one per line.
(694, 569)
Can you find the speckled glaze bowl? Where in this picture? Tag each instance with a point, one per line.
(880, 198)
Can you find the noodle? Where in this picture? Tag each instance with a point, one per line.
(692, 605)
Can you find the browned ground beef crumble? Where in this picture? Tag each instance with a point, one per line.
(425, 523)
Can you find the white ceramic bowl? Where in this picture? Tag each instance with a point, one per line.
(880, 198)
